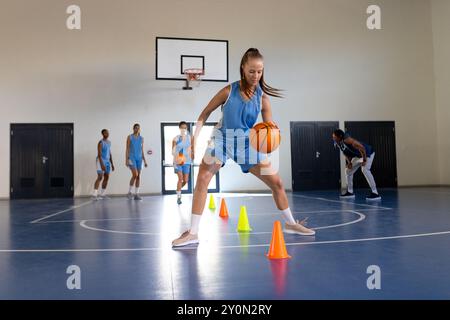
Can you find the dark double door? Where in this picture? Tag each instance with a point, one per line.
(41, 161)
(381, 136)
(315, 162)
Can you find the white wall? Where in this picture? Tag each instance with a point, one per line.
(319, 51)
(441, 32)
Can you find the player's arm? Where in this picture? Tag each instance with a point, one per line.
(174, 147)
(192, 149)
(348, 162)
(266, 109)
(218, 100)
(111, 160)
(357, 145)
(143, 153)
(99, 155)
(127, 151)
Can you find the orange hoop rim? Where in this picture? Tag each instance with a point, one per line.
(194, 73)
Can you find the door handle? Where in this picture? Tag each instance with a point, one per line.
(317, 154)
(44, 159)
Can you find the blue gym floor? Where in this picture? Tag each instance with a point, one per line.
(123, 248)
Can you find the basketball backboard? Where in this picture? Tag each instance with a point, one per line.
(174, 55)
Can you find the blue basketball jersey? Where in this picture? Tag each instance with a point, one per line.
(135, 147)
(239, 113)
(351, 151)
(106, 149)
(182, 146)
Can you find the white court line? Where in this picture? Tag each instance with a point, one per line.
(250, 214)
(84, 225)
(240, 195)
(338, 201)
(332, 241)
(62, 211)
(407, 236)
(154, 217)
(361, 218)
(318, 211)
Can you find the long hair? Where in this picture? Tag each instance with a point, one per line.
(246, 88)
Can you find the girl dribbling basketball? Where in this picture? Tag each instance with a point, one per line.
(241, 102)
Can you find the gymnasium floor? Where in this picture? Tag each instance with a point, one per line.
(123, 248)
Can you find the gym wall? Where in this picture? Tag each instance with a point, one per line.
(441, 26)
(319, 51)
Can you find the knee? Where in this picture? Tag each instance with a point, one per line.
(277, 185)
(203, 179)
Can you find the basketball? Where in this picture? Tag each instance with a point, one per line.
(265, 137)
(181, 159)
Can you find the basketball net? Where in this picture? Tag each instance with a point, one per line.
(193, 78)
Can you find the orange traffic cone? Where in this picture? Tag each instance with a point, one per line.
(223, 209)
(277, 248)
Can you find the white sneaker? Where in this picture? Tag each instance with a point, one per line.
(185, 239)
(130, 196)
(298, 228)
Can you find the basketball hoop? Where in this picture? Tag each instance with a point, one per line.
(193, 77)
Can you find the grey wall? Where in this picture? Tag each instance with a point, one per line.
(441, 32)
(319, 51)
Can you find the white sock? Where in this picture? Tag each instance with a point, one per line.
(287, 215)
(179, 194)
(103, 192)
(131, 189)
(137, 190)
(95, 192)
(195, 222)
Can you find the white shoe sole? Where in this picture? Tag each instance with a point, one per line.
(185, 243)
(347, 197)
(298, 232)
(373, 199)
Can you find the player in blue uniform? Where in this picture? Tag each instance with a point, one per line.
(357, 154)
(104, 164)
(241, 102)
(182, 144)
(134, 156)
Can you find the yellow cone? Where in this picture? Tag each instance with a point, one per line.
(212, 205)
(243, 225)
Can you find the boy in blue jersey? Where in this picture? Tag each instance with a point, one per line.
(105, 165)
(181, 144)
(134, 156)
(357, 154)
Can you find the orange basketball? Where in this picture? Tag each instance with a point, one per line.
(265, 137)
(181, 159)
